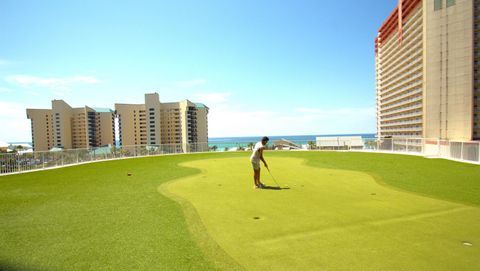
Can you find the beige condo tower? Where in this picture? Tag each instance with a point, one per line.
(71, 128)
(154, 123)
(427, 57)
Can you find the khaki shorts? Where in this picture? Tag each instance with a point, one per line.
(256, 165)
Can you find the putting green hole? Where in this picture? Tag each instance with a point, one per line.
(256, 217)
(467, 244)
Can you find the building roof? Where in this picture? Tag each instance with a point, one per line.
(103, 110)
(200, 105)
(285, 143)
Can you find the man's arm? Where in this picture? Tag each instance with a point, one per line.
(261, 156)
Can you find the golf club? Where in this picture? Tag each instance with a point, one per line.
(273, 177)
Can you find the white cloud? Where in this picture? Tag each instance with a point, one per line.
(190, 83)
(228, 121)
(212, 98)
(5, 90)
(339, 112)
(14, 122)
(54, 83)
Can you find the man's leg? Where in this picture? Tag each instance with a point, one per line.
(258, 179)
(256, 176)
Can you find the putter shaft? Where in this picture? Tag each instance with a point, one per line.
(273, 177)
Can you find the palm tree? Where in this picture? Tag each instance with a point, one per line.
(251, 145)
(312, 145)
(214, 148)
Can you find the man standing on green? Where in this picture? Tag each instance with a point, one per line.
(256, 157)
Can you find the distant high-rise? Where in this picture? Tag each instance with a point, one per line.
(71, 128)
(155, 123)
(427, 57)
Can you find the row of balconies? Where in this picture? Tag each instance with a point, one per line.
(406, 81)
(415, 72)
(401, 103)
(412, 23)
(412, 107)
(390, 65)
(411, 63)
(402, 123)
(402, 116)
(413, 86)
(410, 129)
(409, 31)
(401, 98)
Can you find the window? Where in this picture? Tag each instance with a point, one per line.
(437, 4)
(450, 3)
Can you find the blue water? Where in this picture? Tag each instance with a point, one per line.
(231, 142)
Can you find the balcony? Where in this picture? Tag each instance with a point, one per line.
(402, 116)
(406, 108)
(402, 123)
(401, 103)
(414, 90)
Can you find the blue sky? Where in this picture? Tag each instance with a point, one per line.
(263, 67)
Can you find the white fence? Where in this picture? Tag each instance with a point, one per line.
(15, 162)
(454, 150)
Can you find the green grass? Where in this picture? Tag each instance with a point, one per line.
(95, 217)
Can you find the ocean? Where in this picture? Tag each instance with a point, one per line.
(232, 142)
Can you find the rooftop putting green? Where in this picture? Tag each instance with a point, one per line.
(336, 216)
(329, 219)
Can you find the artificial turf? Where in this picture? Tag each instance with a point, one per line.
(337, 214)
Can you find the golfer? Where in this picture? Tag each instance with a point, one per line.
(256, 157)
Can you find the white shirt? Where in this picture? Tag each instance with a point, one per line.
(256, 154)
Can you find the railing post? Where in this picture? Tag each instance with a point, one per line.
(478, 152)
(461, 151)
(439, 152)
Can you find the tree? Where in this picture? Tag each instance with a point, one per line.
(214, 148)
(312, 145)
(251, 145)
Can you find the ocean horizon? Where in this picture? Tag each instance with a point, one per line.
(232, 142)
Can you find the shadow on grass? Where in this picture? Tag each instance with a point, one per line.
(4, 266)
(266, 187)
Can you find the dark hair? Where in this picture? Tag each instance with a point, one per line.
(265, 138)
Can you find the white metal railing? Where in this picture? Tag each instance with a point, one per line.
(25, 162)
(411, 92)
